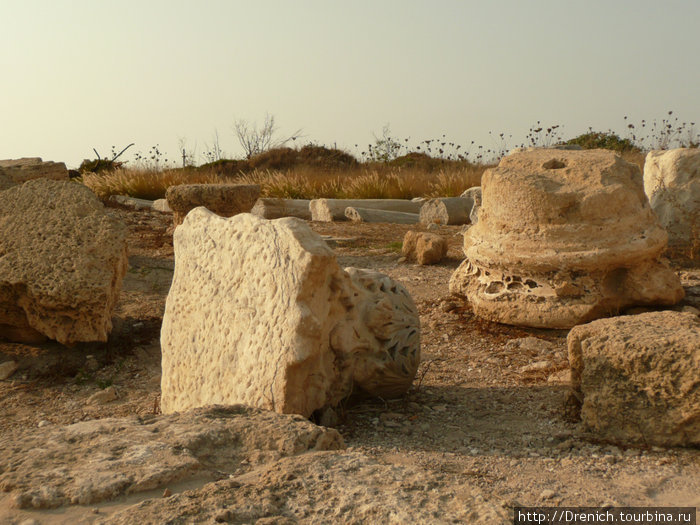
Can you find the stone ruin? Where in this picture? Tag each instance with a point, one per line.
(636, 378)
(672, 183)
(563, 237)
(225, 200)
(423, 248)
(62, 261)
(260, 313)
(17, 171)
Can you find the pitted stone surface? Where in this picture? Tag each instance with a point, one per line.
(672, 183)
(637, 377)
(563, 237)
(225, 200)
(100, 460)
(62, 260)
(260, 313)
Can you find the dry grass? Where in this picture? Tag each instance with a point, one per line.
(143, 184)
(393, 183)
(369, 181)
(376, 182)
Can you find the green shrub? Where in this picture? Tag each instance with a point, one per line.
(603, 140)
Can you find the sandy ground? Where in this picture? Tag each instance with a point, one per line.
(478, 409)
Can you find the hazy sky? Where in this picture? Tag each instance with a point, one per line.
(91, 73)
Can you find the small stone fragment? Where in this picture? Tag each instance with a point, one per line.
(424, 248)
(7, 369)
(547, 494)
(103, 396)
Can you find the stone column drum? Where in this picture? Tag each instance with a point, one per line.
(563, 237)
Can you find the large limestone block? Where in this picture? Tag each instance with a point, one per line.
(637, 377)
(329, 210)
(672, 183)
(563, 237)
(260, 313)
(22, 170)
(268, 208)
(226, 200)
(424, 248)
(62, 261)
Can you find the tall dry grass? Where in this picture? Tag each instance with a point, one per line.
(141, 183)
(299, 183)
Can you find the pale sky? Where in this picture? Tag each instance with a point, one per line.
(94, 73)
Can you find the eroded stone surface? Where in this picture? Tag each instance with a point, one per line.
(100, 460)
(563, 237)
(424, 248)
(672, 183)
(225, 200)
(637, 377)
(327, 487)
(62, 261)
(260, 313)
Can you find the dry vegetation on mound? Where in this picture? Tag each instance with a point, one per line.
(376, 181)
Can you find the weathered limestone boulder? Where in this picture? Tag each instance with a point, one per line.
(225, 200)
(672, 183)
(563, 237)
(450, 210)
(17, 171)
(424, 248)
(329, 210)
(260, 313)
(277, 208)
(475, 195)
(390, 217)
(104, 459)
(637, 377)
(62, 260)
